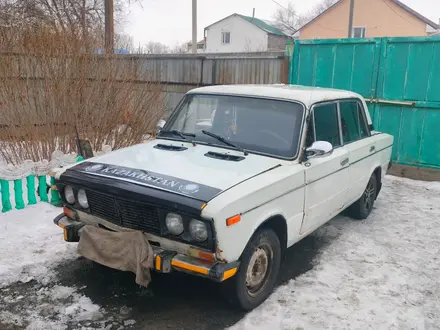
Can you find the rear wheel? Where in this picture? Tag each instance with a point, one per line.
(362, 208)
(258, 271)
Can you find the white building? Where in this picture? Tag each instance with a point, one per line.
(200, 47)
(238, 33)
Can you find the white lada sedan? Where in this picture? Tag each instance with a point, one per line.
(237, 175)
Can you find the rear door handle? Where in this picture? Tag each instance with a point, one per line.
(344, 161)
(372, 148)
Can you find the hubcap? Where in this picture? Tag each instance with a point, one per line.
(257, 270)
(369, 196)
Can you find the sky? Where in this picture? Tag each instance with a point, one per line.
(169, 21)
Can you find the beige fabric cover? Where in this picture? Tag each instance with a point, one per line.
(127, 251)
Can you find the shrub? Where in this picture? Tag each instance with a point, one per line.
(53, 88)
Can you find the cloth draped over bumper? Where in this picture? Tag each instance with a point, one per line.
(126, 251)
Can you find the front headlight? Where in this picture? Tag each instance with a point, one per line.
(82, 199)
(198, 230)
(174, 223)
(69, 195)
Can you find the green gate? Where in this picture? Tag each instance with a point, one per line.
(400, 79)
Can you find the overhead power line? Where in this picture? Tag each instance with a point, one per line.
(294, 14)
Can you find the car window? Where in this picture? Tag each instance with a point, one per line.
(363, 123)
(325, 124)
(310, 137)
(350, 121)
(261, 125)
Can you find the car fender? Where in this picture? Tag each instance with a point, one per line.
(278, 192)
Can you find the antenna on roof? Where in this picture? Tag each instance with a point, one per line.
(253, 13)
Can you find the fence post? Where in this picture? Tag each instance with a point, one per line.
(55, 196)
(293, 72)
(6, 197)
(18, 194)
(42, 188)
(30, 184)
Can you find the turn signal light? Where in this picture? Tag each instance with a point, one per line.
(158, 262)
(229, 273)
(202, 254)
(233, 220)
(69, 213)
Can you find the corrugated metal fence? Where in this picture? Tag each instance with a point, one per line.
(178, 74)
(400, 77)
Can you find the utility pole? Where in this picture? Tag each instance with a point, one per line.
(194, 26)
(350, 19)
(109, 26)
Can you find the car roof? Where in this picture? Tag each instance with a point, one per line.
(303, 94)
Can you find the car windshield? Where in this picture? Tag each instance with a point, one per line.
(256, 125)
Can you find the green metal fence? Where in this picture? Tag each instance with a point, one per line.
(12, 194)
(399, 77)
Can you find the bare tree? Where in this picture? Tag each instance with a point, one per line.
(153, 47)
(180, 48)
(78, 17)
(51, 90)
(252, 48)
(288, 20)
(124, 41)
(320, 8)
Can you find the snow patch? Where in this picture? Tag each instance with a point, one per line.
(31, 245)
(380, 273)
(7, 317)
(61, 292)
(129, 322)
(83, 309)
(52, 308)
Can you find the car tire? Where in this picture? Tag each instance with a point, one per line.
(258, 272)
(362, 208)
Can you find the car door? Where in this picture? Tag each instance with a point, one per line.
(327, 177)
(360, 146)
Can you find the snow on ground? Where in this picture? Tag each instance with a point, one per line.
(52, 309)
(31, 247)
(31, 244)
(381, 273)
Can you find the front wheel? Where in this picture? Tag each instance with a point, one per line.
(258, 271)
(362, 208)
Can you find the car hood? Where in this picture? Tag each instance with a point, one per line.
(188, 172)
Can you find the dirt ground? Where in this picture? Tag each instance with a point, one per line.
(173, 301)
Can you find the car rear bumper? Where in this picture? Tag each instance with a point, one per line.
(164, 261)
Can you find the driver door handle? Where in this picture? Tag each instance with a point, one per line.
(344, 161)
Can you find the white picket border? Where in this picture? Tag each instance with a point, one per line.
(11, 172)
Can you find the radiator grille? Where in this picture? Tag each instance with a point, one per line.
(139, 216)
(103, 206)
(128, 214)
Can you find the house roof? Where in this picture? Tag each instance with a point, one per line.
(397, 2)
(257, 22)
(263, 25)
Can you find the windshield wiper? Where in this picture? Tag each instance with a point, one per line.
(181, 134)
(222, 139)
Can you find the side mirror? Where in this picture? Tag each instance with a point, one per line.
(319, 149)
(160, 124)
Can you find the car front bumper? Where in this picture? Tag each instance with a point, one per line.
(164, 261)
